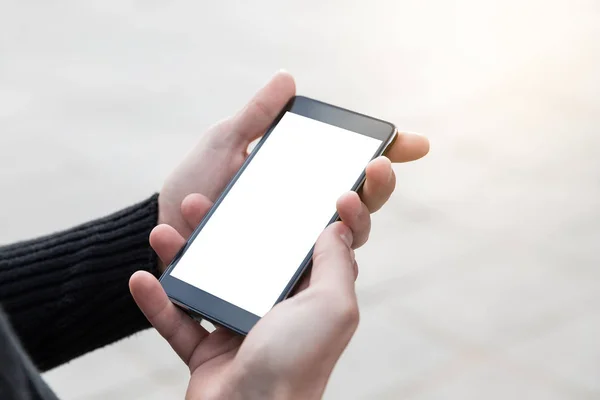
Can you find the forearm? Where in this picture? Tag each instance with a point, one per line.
(67, 294)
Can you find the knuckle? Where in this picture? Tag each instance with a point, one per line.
(261, 109)
(319, 257)
(362, 240)
(356, 270)
(347, 314)
(341, 311)
(393, 179)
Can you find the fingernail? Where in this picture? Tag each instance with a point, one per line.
(409, 133)
(347, 236)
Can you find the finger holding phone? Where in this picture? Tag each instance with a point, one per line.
(289, 354)
(254, 245)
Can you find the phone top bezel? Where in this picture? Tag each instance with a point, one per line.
(201, 303)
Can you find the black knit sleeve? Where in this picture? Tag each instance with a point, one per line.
(67, 294)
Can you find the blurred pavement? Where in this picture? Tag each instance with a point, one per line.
(481, 279)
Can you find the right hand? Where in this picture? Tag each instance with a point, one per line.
(290, 353)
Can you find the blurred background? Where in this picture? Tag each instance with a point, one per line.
(481, 279)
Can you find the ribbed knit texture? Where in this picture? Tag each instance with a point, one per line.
(67, 293)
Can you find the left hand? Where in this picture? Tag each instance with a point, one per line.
(223, 149)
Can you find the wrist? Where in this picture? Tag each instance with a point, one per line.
(272, 386)
(254, 385)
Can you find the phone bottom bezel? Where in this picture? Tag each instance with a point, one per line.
(200, 303)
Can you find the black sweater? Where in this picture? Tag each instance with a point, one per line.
(67, 294)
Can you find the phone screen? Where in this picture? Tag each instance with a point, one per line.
(263, 229)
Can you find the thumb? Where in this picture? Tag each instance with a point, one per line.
(332, 281)
(333, 261)
(254, 119)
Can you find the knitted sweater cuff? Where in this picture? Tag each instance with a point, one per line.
(67, 293)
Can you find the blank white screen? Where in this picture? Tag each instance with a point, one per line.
(265, 226)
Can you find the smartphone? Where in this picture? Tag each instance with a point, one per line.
(257, 240)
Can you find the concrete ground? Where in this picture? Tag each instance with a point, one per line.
(481, 279)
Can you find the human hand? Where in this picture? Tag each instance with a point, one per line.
(290, 353)
(222, 150)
